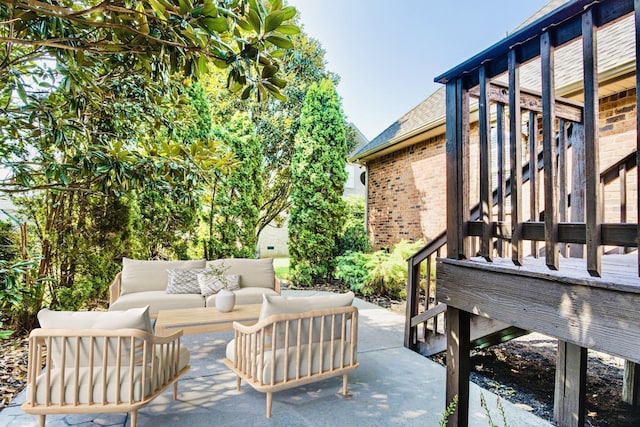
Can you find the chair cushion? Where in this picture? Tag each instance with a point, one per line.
(143, 275)
(158, 300)
(255, 273)
(112, 392)
(183, 280)
(341, 358)
(135, 318)
(278, 304)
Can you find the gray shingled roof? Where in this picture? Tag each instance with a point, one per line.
(428, 111)
(615, 47)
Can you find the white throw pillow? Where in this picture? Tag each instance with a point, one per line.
(183, 280)
(210, 285)
(233, 282)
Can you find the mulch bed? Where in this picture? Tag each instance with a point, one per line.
(13, 368)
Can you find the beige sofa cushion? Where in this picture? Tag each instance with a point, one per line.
(157, 300)
(278, 304)
(254, 273)
(135, 318)
(143, 275)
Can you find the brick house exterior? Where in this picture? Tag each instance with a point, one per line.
(406, 166)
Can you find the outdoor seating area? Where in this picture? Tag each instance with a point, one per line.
(378, 393)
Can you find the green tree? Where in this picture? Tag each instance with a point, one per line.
(235, 197)
(318, 171)
(276, 122)
(156, 37)
(168, 219)
(90, 109)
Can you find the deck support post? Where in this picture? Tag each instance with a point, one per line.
(631, 383)
(569, 401)
(413, 300)
(458, 364)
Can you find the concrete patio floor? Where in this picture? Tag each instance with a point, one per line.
(392, 387)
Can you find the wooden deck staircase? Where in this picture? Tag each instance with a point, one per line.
(425, 329)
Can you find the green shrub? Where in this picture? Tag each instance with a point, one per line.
(380, 272)
(354, 235)
(352, 270)
(9, 239)
(21, 293)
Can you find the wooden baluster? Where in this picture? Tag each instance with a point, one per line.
(592, 148)
(534, 210)
(486, 201)
(563, 203)
(577, 182)
(413, 294)
(457, 169)
(427, 293)
(622, 176)
(501, 190)
(515, 148)
(548, 121)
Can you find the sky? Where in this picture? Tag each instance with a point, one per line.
(387, 53)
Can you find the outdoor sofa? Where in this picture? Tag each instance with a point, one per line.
(296, 341)
(174, 284)
(97, 362)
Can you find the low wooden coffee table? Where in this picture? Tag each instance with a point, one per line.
(204, 319)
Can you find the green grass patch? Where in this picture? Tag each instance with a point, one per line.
(281, 267)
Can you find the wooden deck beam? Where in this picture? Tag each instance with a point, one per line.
(531, 100)
(569, 398)
(569, 304)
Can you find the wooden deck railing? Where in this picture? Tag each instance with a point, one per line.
(529, 56)
(424, 311)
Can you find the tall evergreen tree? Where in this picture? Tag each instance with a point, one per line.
(236, 197)
(318, 171)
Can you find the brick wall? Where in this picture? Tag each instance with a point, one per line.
(407, 194)
(617, 139)
(407, 188)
